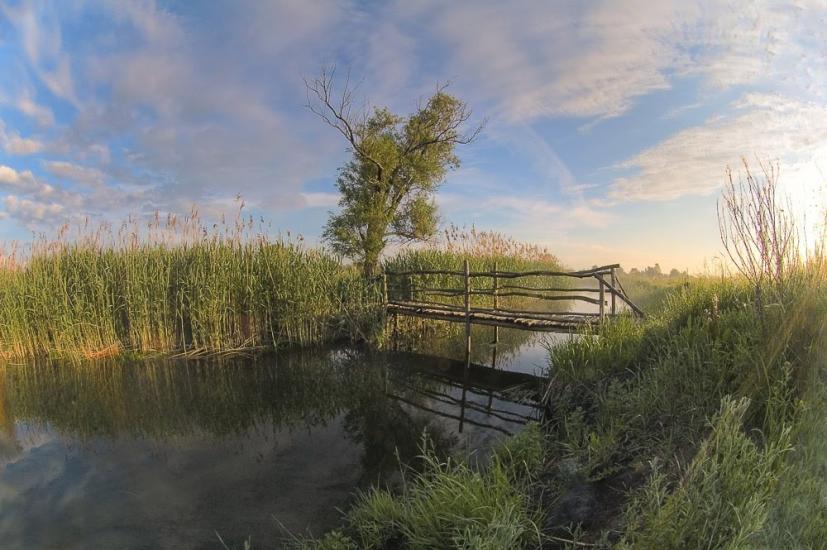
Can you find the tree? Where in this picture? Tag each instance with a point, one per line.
(387, 187)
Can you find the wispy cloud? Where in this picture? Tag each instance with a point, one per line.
(692, 161)
(146, 105)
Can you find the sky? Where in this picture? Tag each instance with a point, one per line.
(609, 125)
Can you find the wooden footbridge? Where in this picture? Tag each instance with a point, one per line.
(496, 298)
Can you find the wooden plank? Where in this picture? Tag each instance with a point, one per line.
(540, 296)
(547, 289)
(566, 323)
(511, 274)
(535, 295)
(460, 310)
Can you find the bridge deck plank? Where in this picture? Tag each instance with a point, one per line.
(548, 322)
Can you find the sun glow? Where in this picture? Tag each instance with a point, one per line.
(805, 186)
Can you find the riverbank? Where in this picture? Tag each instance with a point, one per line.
(701, 427)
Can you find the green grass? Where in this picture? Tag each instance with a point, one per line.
(701, 427)
(449, 504)
(649, 292)
(710, 401)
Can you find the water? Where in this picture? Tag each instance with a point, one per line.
(169, 453)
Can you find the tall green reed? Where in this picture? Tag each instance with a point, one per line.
(171, 286)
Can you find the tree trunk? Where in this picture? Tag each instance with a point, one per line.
(371, 264)
(373, 245)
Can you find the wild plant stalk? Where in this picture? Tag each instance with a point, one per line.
(757, 229)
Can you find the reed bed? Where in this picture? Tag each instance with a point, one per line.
(177, 287)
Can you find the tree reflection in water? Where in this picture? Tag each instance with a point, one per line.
(291, 435)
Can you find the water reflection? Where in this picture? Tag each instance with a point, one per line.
(163, 454)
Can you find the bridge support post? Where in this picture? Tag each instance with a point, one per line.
(612, 290)
(496, 306)
(467, 310)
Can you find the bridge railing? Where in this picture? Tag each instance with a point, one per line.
(599, 286)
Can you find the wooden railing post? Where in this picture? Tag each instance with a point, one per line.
(602, 299)
(612, 290)
(467, 309)
(384, 287)
(495, 285)
(496, 328)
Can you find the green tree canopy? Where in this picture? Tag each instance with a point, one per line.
(387, 187)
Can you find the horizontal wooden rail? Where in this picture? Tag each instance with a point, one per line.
(603, 270)
(413, 300)
(490, 290)
(537, 295)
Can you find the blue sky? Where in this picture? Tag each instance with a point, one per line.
(610, 124)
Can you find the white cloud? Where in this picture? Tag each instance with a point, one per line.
(520, 213)
(17, 145)
(80, 174)
(529, 59)
(692, 161)
(42, 114)
(42, 44)
(28, 209)
(13, 144)
(10, 176)
(192, 119)
(320, 200)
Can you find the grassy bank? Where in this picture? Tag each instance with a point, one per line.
(701, 427)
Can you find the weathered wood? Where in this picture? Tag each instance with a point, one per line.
(534, 314)
(496, 329)
(548, 289)
(558, 323)
(622, 296)
(515, 318)
(490, 290)
(543, 273)
(541, 296)
(395, 329)
(614, 294)
(467, 314)
(513, 275)
(494, 285)
(537, 295)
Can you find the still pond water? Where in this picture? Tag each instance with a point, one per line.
(171, 454)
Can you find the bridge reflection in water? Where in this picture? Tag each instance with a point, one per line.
(166, 453)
